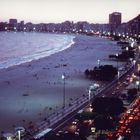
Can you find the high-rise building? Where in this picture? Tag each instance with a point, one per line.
(134, 26)
(12, 24)
(22, 23)
(115, 20)
(12, 21)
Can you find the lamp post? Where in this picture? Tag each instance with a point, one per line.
(6, 28)
(127, 52)
(98, 62)
(89, 95)
(132, 44)
(18, 134)
(15, 29)
(138, 84)
(118, 74)
(139, 51)
(117, 60)
(134, 62)
(63, 78)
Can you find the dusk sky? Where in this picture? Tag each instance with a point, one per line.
(95, 11)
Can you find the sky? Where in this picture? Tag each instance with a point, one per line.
(93, 11)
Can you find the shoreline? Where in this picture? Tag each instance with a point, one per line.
(36, 88)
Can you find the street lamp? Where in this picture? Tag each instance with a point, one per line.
(63, 78)
(118, 74)
(123, 35)
(117, 59)
(126, 48)
(138, 84)
(6, 28)
(127, 51)
(89, 95)
(134, 62)
(98, 62)
(19, 134)
(132, 44)
(138, 51)
(34, 29)
(24, 29)
(15, 28)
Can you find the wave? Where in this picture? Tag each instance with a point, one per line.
(33, 49)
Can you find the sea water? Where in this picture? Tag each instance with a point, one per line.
(21, 47)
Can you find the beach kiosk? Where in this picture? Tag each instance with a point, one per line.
(19, 131)
(42, 133)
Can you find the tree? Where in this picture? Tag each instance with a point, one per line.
(123, 96)
(87, 72)
(116, 38)
(103, 73)
(108, 106)
(102, 137)
(65, 136)
(86, 115)
(134, 126)
(84, 131)
(131, 94)
(102, 122)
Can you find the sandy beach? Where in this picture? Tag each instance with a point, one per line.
(32, 91)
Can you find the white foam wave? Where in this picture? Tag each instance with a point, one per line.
(31, 48)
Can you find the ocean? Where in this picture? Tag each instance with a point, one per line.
(21, 47)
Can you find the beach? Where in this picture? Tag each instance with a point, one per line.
(32, 91)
